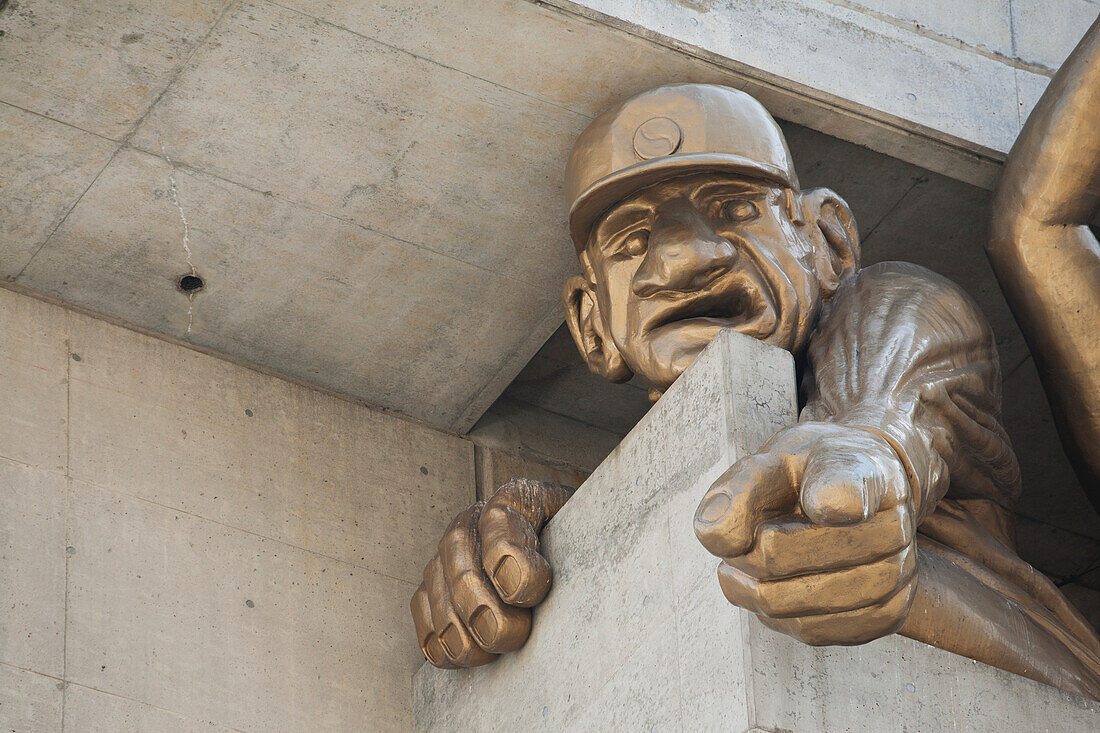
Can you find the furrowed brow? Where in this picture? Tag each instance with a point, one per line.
(619, 218)
(741, 187)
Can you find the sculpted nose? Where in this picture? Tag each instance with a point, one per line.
(684, 254)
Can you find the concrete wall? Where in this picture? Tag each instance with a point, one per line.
(186, 544)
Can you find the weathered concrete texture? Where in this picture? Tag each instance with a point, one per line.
(521, 429)
(32, 568)
(29, 702)
(387, 316)
(978, 25)
(211, 622)
(957, 76)
(92, 711)
(1045, 31)
(97, 65)
(609, 597)
(635, 634)
(186, 544)
(344, 124)
(189, 545)
(46, 166)
(495, 468)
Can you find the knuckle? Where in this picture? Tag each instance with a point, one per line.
(453, 541)
(836, 501)
(500, 518)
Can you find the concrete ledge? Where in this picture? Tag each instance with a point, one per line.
(943, 86)
(636, 635)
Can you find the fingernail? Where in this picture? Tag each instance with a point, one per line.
(451, 640)
(507, 576)
(432, 650)
(714, 507)
(483, 625)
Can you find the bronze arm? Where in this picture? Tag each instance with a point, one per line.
(906, 353)
(1046, 257)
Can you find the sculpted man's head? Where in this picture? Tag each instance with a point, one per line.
(688, 218)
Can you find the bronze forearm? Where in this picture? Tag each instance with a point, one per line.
(1046, 257)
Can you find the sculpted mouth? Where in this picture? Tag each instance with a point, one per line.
(743, 305)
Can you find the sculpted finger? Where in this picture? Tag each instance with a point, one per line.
(509, 529)
(788, 547)
(495, 626)
(755, 489)
(820, 593)
(849, 481)
(425, 633)
(459, 647)
(849, 627)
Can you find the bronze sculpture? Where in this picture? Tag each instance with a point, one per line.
(888, 507)
(1045, 255)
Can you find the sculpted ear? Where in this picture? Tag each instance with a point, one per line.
(582, 313)
(836, 239)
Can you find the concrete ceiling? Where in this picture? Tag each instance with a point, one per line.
(371, 191)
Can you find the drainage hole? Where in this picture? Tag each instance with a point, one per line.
(191, 283)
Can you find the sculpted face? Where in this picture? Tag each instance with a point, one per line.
(669, 267)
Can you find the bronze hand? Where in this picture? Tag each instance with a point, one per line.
(474, 603)
(816, 533)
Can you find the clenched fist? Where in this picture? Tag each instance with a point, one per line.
(816, 534)
(477, 592)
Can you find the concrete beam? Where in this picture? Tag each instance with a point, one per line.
(937, 84)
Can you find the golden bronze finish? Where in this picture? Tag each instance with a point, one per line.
(888, 507)
(1046, 257)
(670, 131)
(475, 601)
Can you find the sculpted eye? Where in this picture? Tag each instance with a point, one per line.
(739, 210)
(636, 242)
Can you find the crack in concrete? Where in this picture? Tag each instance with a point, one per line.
(186, 232)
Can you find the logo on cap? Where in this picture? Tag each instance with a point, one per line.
(656, 137)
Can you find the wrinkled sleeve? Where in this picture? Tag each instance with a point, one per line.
(907, 353)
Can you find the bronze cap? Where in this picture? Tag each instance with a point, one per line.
(671, 131)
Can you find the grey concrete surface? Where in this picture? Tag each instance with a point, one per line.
(635, 633)
(202, 619)
(100, 712)
(957, 76)
(494, 468)
(32, 568)
(522, 429)
(189, 545)
(457, 167)
(181, 429)
(29, 702)
(95, 65)
(46, 168)
(620, 557)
